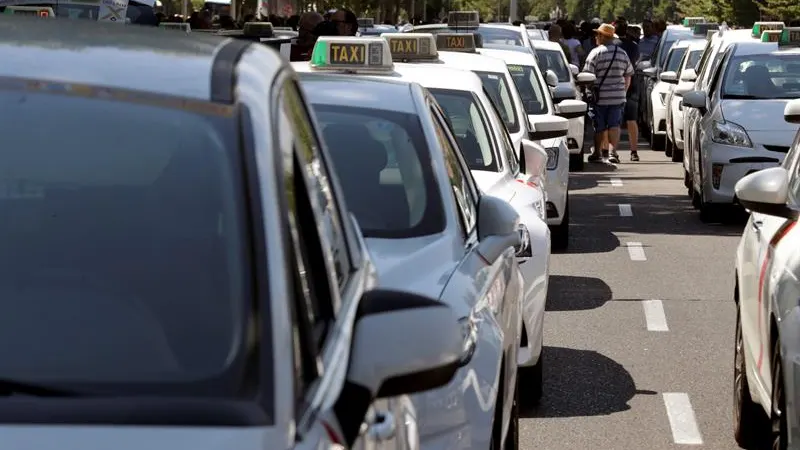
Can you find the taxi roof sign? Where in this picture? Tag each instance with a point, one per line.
(366, 22)
(258, 29)
(789, 36)
(692, 21)
(463, 19)
(182, 26)
(771, 35)
(760, 27)
(38, 11)
(411, 46)
(456, 42)
(702, 29)
(351, 54)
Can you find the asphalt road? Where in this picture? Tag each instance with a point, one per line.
(640, 318)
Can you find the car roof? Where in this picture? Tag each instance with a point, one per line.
(510, 57)
(735, 35)
(697, 44)
(430, 76)
(762, 48)
(363, 91)
(546, 45)
(678, 30)
(142, 58)
(473, 61)
(507, 47)
(681, 43)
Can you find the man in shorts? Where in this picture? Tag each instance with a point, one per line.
(610, 64)
(631, 113)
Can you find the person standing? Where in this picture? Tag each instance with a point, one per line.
(630, 114)
(613, 69)
(554, 34)
(301, 48)
(346, 21)
(649, 40)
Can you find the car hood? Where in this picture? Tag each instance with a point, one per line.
(757, 115)
(60, 437)
(493, 183)
(421, 265)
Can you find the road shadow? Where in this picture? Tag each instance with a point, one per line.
(568, 293)
(584, 237)
(581, 383)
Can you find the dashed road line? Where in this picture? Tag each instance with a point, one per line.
(636, 251)
(625, 210)
(616, 182)
(654, 315)
(682, 420)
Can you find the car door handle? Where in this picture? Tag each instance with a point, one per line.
(756, 224)
(382, 427)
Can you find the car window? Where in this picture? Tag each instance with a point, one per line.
(459, 179)
(662, 52)
(793, 166)
(331, 225)
(469, 126)
(553, 60)
(506, 146)
(706, 55)
(675, 58)
(530, 88)
(693, 59)
(762, 76)
(500, 93)
(381, 159)
(124, 265)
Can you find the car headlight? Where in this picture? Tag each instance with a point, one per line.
(552, 157)
(663, 97)
(729, 133)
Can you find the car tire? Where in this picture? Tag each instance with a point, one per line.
(687, 181)
(748, 417)
(531, 383)
(559, 234)
(657, 142)
(512, 436)
(576, 162)
(677, 154)
(669, 147)
(778, 429)
(709, 212)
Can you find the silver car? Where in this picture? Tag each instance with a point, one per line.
(198, 283)
(431, 231)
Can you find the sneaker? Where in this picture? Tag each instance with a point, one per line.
(594, 157)
(614, 158)
(634, 156)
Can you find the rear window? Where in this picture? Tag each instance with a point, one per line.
(675, 57)
(530, 88)
(499, 92)
(553, 60)
(469, 126)
(124, 251)
(693, 59)
(383, 164)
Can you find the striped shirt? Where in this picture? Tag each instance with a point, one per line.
(611, 90)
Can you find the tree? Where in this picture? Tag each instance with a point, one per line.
(785, 10)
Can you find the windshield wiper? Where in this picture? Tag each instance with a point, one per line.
(10, 387)
(741, 97)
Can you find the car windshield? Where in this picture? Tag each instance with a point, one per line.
(383, 164)
(693, 59)
(674, 59)
(489, 35)
(125, 246)
(553, 60)
(499, 92)
(764, 76)
(530, 89)
(469, 126)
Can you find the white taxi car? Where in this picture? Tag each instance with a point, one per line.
(662, 90)
(428, 228)
(738, 131)
(537, 101)
(767, 350)
(683, 79)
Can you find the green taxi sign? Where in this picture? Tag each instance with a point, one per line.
(789, 36)
(456, 42)
(44, 12)
(692, 21)
(760, 27)
(702, 29)
(366, 22)
(411, 46)
(351, 54)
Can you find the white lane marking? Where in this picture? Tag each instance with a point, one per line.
(625, 210)
(616, 182)
(682, 419)
(636, 251)
(654, 315)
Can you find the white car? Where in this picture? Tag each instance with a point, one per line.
(662, 89)
(683, 79)
(536, 100)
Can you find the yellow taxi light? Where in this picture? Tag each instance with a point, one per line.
(469, 19)
(38, 11)
(366, 22)
(258, 29)
(456, 42)
(411, 46)
(351, 54)
(692, 21)
(760, 27)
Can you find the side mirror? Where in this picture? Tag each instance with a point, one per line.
(547, 127)
(571, 109)
(766, 192)
(791, 112)
(584, 78)
(642, 65)
(534, 158)
(669, 77)
(498, 230)
(562, 92)
(574, 69)
(551, 78)
(397, 366)
(695, 99)
(689, 75)
(650, 72)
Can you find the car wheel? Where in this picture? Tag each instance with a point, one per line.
(575, 162)
(779, 431)
(687, 181)
(748, 417)
(512, 436)
(531, 382)
(677, 154)
(559, 234)
(669, 147)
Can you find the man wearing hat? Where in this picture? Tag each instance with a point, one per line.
(610, 64)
